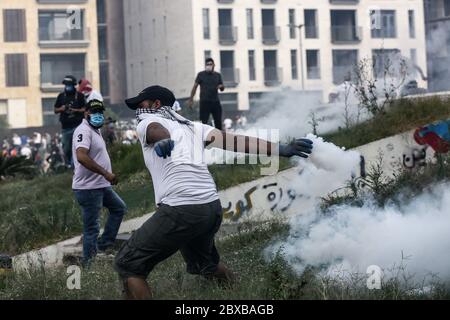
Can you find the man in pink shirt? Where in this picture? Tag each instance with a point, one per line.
(92, 182)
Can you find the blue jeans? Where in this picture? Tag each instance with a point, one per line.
(91, 202)
(66, 140)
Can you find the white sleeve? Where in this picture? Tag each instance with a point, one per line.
(204, 129)
(82, 138)
(141, 129)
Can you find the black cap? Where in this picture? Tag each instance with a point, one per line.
(153, 93)
(95, 105)
(69, 80)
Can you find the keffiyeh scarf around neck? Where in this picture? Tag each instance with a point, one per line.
(164, 112)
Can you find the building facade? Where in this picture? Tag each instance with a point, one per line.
(437, 19)
(263, 46)
(41, 41)
(111, 42)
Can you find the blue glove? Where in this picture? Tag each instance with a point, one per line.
(298, 147)
(164, 148)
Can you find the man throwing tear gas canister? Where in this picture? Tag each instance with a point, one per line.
(189, 212)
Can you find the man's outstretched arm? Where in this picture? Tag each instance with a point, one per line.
(193, 92)
(251, 145)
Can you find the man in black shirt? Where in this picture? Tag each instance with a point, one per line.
(210, 82)
(70, 105)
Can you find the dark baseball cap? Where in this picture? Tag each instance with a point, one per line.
(95, 105)
(68, 80)
(152, 93)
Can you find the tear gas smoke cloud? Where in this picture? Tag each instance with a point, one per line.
(351, 239)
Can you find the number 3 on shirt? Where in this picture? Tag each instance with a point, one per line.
(80, 138)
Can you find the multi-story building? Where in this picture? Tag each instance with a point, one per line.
(265, 45)
(437, 19)
(111, 42)
(41, 41)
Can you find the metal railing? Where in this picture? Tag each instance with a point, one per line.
(53, 81)
(70, 39)
(270, 34)
(273, 76)
(61, 1)
(268, 1)
(225, 1)
(344, 1)
(389, 32)
(227, 35)
(230, 76)
(346, 34)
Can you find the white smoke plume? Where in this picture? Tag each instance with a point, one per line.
(350, 239)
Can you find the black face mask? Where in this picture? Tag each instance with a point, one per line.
(69, 89)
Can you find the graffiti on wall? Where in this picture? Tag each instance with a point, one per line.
(416, 158)
(278, 199)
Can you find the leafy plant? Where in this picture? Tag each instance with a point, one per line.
(16, 166)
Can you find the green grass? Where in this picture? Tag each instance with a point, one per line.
(38, 212)
(244, 253)
(257, 278)
(403, 115)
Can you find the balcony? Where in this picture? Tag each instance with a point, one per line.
(225, 1)
(346, 34)
(70, 39)
(51, 82)
(270, 35)
(230, 77)
(344, 1)
(268, 1)
(227, 35)
(273, 76)
(61, 1)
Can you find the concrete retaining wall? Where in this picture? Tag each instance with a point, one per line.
(259, 200)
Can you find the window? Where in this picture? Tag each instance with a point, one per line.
(14, 25)
(344, 62)
(384, 61)
(412, 24)
(227, 68)
(53, 26)
(414, 56)
(229, 102)
(206, 26)
(104, 78)
(54, 67)
(102, 43)
(387, 27)
(48, 115)
(294, 67)
(312, 64)
(292, 24)
(101, 11)
(250, 28)
(446, 7)
(311, 29)
(16, 70)
(251, 65)
(3, 112)
(207, 54)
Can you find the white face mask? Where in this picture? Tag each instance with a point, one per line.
(209, 68)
